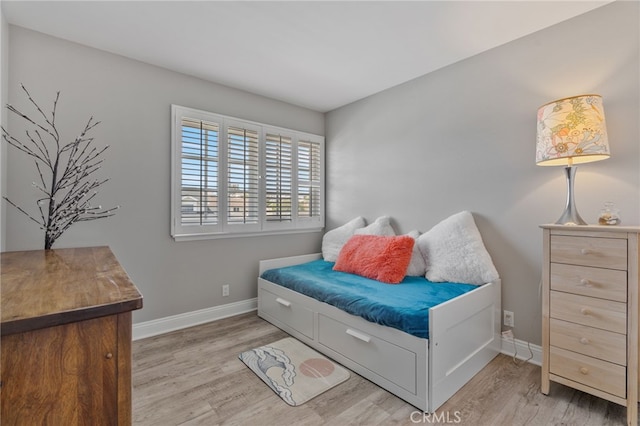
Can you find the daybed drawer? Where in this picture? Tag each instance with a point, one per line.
(288, 312)
(598, 374)
(392, 362)
(598, 252)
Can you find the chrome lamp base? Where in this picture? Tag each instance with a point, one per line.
(570, 216)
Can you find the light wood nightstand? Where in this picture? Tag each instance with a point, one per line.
(590, 311)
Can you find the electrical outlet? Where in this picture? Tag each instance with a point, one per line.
(225, 290)
(508, 319)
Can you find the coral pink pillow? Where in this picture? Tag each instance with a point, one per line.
(382, 258)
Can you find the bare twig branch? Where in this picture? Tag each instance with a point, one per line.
(20, 114)
(21, 210)
(69, 195)
(53, 114)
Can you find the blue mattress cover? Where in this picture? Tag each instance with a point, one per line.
(404, 306)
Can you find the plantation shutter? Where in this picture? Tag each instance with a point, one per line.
(278, 178)
(242, 176)
(199, 172)
(309, 179)
(232, 177)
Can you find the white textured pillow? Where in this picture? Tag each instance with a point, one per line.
(381, 226)
(454, 251)
(417, 266)
(333, 240)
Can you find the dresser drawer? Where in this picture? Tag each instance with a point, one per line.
(598, 374)
(595, 282)
(599, 313)
(287, 311)
(594, 342)
(385, 359)
(589, 251)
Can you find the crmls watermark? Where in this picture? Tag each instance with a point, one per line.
(445, 417)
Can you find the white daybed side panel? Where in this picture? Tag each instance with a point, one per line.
(267, 264)
(464, 337)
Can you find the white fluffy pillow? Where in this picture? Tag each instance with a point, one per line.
(381, 226)
(454, 251)
(333, 240)
(417, 266)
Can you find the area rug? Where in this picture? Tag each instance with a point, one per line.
(294, 371)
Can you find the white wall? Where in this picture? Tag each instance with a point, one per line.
(132, 100)
(463, 138)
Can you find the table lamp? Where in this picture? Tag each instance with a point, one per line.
(571, 131)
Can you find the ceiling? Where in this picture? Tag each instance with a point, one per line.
(316, 54)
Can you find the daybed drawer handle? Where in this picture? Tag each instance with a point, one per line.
(283, 302)
(357, 335)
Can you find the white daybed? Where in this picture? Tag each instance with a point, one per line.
(464, 335)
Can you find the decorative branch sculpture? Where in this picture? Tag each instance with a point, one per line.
(65, 173)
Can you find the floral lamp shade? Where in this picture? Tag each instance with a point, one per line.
(571, 131)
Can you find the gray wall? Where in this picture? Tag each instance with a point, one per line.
(463, 138)
(133, 101)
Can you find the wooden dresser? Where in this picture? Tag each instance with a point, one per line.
(590, 311)
(66, 338)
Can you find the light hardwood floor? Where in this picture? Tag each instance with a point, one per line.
(194, 377)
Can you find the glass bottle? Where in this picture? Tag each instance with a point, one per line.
(609, 215)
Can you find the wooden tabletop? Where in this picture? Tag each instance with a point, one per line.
(43, 288)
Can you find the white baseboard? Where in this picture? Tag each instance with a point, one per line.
(522, 350)
(189, 319)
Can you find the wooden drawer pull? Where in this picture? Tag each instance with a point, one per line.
(585, 311)
(585, 282)
(585, 341)
(358, 335)
(584, 370)
(109, 355)
(585, 251)
(283, 302)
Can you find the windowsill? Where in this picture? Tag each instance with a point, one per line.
(222, 235)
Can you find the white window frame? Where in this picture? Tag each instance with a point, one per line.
(225, 229)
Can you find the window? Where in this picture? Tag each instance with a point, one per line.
(309, 179)
(233, 177)
(278, 178)
(199, 172)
